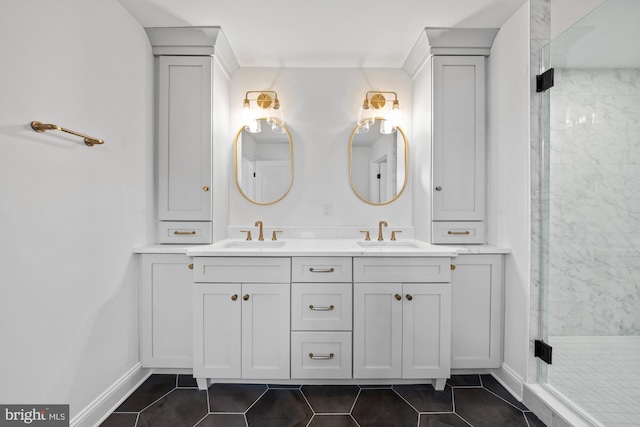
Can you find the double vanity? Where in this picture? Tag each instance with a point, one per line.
(321, 311)
(346, 308)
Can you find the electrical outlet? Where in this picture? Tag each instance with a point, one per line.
(326, 209)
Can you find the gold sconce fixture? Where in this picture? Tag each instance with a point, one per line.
(265, 105)
(376, 107)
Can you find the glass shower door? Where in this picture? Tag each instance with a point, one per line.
(590, 300)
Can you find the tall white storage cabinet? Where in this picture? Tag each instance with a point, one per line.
(184, 138)
(449, 115)
(193, 68)
(458, 149)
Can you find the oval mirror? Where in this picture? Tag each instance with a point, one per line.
(378, 163)
(263, 162)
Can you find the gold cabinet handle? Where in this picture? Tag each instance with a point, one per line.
(205, 188)
(317, 357)
(409, 297)
(234, 297)
(459, 232)
(312, 307)
(190, 266)
(398, 297)
(453, 267)
(321, 270)
(179, 233)
(245, 297)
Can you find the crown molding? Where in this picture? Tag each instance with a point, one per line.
(193, 41)
(449, 41)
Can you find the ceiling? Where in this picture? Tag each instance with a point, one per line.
(328, 33)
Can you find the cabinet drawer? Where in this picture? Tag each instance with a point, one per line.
(242, 270)
(402, 270)
(321, 269)
(321, 306)
(184, 232)
(325, 355)
(457, 232)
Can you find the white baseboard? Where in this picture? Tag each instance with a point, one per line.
(98, 410)
(510, 380)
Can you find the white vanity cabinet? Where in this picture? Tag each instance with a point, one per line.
(241, 318)
(166, 309)
(477, 311)
(458, 148)
(321, 317)
(402, 318)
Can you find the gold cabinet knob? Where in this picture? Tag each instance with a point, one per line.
(409, 297)
(453, 267)
(245, 297)
(234, 297)
(398, 297)
(205, 188)
(190, 266)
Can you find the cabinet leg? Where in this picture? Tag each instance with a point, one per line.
(439, 383)
(203, 383)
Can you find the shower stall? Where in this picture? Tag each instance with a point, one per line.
(590, 299)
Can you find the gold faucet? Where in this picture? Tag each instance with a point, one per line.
(260, 235)
(380, 225)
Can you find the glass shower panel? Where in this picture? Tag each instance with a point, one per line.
(590, 307)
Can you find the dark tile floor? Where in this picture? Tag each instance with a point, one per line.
(175, 401)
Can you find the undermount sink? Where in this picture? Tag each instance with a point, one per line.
(253, 244)
(388, 244)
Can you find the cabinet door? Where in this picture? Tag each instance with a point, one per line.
(426, 344)
(217, 330)
(458, 138)
(265, 330)
(476, 295)
(377, 330)
(166, 311)
(184, 138)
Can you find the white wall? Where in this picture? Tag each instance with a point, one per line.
(508, 178)
(71, 214)
(320, 107)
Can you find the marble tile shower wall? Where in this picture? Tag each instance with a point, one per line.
(595, 203)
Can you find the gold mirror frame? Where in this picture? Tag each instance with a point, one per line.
(406, 167)
(235, 165)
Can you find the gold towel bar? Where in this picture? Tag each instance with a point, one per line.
(41, 127)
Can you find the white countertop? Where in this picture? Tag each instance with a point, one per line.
(321, 247)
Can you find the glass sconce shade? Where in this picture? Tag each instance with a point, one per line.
(253, 126)
(387, 127)
(363, 128)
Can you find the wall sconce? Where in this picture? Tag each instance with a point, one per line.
(264, 106)
(375, 106)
